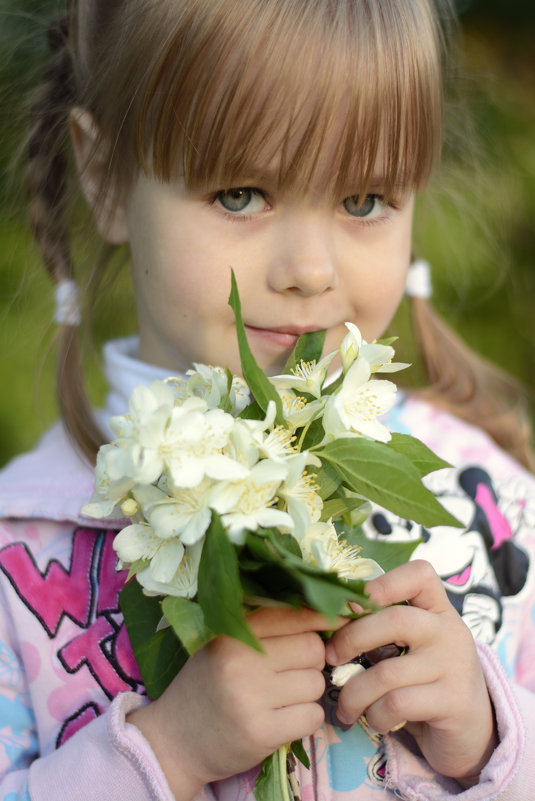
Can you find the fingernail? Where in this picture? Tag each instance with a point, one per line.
(345, 719)
(330, 654)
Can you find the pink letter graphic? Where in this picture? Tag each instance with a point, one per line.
(58, 591)
(110, 580)
(89, 648)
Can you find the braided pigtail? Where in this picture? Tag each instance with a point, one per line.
(46, 186)
(466, 385)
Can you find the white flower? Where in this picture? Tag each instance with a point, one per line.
(296, 410)
(250, 504)
(139, 541)
(149, 411)
(277, 445)
(306, 377)
(247, 436)
(196, 448)
(188, 439)
(358, 403)
(379, 357)
(183, 582)
(299, 491)
(113, 481)
(185, 514)
(171, 570)
(149, 431)
(321, 546)
(252, 440)
(342, 673)
(350, 346)
(211, 384)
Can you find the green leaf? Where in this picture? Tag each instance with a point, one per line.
(387, 478)
(286, 542)
(387, 554)
(264, 572)
(262, 586)
(387, 341)
(137, 567)
(308, 348)
(329, 596)
(226, 404)
(268, 783)
(220, 592)
(327, 480)
(299, 752)
(291, 580)
(313, 436)
(422, 457)
(333, 387)
(159, 655)
(257, 381)
(187, 619)
(252, 412)
(258, 546)
(337, 507)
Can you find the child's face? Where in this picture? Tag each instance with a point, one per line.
(301, 264)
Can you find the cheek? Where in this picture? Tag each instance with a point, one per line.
(385, 292)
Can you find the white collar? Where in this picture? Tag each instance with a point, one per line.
(125, 371)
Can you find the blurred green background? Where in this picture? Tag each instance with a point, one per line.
(476, 224)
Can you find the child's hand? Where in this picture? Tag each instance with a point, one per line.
(437, 686)
(231, 706)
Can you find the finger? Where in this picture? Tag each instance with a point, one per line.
(406, 626)
(292, 652)
(296, 687)
(298, 721)
(387, 680)
(283, 620)
(406, 705)
(416, 582)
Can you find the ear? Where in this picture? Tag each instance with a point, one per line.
(108, 210)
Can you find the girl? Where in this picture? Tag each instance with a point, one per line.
(287, 139)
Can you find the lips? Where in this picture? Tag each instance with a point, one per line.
(294, 330)
(281, 339)
(284, 336)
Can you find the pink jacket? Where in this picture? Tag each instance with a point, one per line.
(68, 676)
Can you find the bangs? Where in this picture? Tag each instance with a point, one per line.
(326, 95)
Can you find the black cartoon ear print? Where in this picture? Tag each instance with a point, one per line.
(479, 607)
(509, 562)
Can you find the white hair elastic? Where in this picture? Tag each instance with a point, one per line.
(418, 284)
(67, 306)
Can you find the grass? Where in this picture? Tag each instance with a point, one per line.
(479, 237)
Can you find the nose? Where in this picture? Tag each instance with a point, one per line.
(303, 257)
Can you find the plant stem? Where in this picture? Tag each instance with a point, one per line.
(283, 771)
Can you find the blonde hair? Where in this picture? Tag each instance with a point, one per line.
(463, 383)
(215, 89)
(210, 89)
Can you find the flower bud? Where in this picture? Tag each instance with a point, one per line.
(350, 346)
(129, 507)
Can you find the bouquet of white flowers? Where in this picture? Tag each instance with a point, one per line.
(247, 491)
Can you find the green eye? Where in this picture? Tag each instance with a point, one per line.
(372, 206)
(241, 199)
